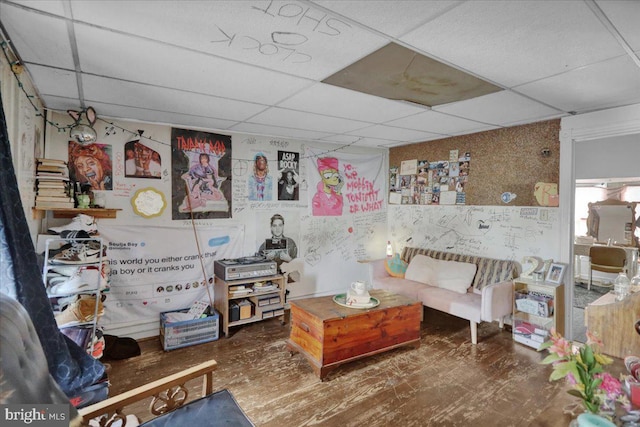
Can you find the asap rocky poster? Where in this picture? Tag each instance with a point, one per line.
(201, 175)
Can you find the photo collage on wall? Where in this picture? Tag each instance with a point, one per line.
(421, 182)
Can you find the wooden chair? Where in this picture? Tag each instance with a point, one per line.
(25, 380)
(607, 259)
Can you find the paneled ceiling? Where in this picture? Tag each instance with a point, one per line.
(258, 66)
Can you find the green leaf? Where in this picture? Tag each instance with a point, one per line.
(552, 357)
(576, 393)
(562, 369)
(545, 345)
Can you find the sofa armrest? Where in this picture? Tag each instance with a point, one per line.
(377, 269)
(116, 404)
(497, 301)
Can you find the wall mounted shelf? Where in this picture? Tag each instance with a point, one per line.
(39, 213)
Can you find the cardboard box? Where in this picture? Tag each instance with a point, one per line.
(246, 309)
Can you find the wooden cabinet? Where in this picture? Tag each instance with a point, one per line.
(256, 305)
(613, 322)
(537, 307)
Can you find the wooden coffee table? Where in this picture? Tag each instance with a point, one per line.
(329, 335)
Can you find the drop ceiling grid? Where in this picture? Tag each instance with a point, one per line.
(438, 123)
(148, 62)
(56, 82)
(31, 44)
(625, 15)
(331, 100)
(243, 32)
(498, 108)
(529, 40)
(298, 119)
(265, 129)
(616, 81)
(163, 99)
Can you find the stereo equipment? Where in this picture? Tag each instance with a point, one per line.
(244, 268)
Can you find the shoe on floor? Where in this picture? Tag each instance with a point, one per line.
(79, 222)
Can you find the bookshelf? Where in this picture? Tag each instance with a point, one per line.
(537, 307)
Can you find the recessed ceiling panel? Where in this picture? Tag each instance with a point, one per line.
(395, 72)
(100, 89)
(512, 42)
(60, 103)
(154, 63)
(336, 101)
(610, 83)
(500, 108)
(55, 7)
(287, 36)
(38, 38)
(393, 18)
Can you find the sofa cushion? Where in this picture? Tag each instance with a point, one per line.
(422, 269)
(395, 266)
(465, 306)
(408, 288)
(455, 276)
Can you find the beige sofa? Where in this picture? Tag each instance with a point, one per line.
(488, 298)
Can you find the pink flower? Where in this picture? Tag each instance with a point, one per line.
(593, 340)
(560, 346)
(609, 385)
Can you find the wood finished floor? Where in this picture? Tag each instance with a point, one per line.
(445, 382)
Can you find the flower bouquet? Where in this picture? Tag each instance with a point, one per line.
(582, 366)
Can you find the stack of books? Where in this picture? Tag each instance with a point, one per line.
(240, 290)
(53, 189)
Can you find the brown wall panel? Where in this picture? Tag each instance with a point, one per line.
(502, 160)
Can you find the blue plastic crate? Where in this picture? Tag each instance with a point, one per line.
(188, 332)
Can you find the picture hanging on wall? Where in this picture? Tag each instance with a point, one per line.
(141, 161)
(288, 178)
(201, 174)
(90, 166)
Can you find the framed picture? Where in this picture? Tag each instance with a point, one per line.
(556, 273)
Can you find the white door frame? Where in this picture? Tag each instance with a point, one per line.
(618, 121)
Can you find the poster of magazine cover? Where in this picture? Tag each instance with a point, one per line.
(201, 175)
(288, 178)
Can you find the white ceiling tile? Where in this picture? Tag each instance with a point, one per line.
(341, 139)
(108, 112)
(392, 133)
(55, 81)
(45, 42)
(609, 83)
(437, 123)
(625, 16)
(393, 18)
(168, 100)
(55, 7)
(60, 103)
(302, 120)
(513, 42)
(336, 101)
(278, 131)
(498, 108)
(291, 37)
(101, 52)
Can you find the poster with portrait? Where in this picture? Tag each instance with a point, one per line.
(201, 175)
(288, 178)
(277, 235)
(90, 166)
(345, 184)
(141, 161)
(260, 181)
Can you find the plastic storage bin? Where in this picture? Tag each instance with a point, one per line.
(188, 332)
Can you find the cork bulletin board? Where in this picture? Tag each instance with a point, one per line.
(510, 160)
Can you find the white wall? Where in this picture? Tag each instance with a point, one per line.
(613, 157)
(329, 247)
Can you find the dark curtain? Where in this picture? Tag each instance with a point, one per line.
(71, 367)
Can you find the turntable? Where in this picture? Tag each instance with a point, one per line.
(244, 268)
